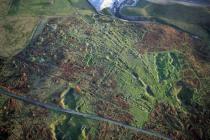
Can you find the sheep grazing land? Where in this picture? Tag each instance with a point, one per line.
(104, 69)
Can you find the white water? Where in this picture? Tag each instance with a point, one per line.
(102, 4)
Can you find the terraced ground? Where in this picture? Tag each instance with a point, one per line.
(149, 76)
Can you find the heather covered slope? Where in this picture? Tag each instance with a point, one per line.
(193, 19)
(149, 76)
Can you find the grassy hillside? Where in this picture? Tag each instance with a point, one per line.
(20, 16)
(43, 7)
(149, 76)
(15, 34)
(112, 69)
(194, 20)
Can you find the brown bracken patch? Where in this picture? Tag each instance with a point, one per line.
(111, 112)
(177, 124)
(11, 107)
(161, 38)
(37, 132)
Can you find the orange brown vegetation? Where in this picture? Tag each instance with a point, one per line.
(161, 38)
(107, 110)
(12, 106)
(37, 131)
(178, 124)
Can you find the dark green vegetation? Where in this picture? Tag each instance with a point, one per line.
(150, 76)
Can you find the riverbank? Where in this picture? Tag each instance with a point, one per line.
(189, 16)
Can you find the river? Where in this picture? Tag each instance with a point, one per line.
(192, 16)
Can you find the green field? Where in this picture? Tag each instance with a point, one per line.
(43, 7)
(19, 18)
